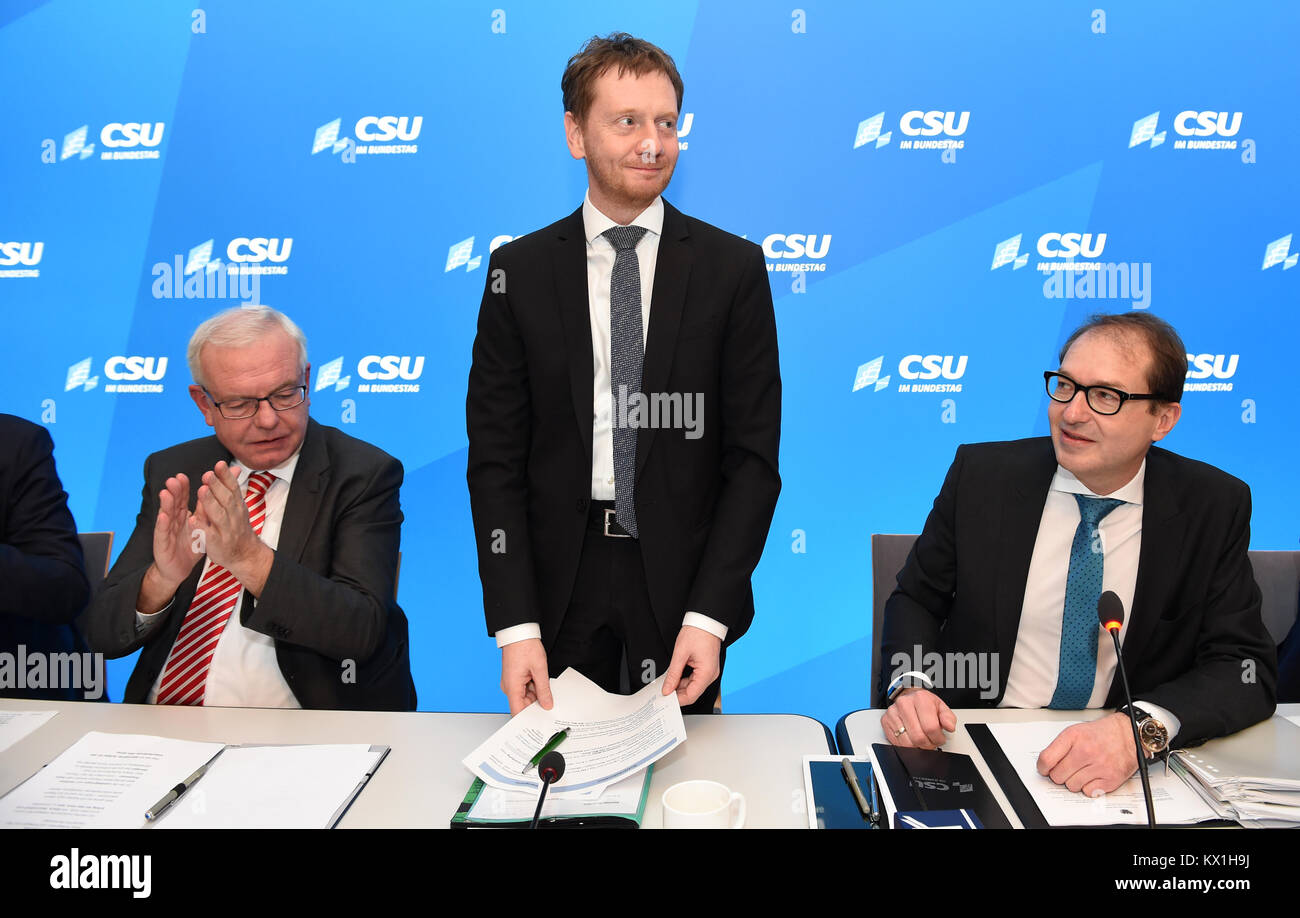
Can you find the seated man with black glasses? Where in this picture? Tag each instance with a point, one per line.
(1026, 535)
(262, 569)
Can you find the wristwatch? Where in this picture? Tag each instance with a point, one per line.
(1153, 734)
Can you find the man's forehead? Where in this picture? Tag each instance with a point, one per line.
(616, 88)
(272, 355)
(1115, 355)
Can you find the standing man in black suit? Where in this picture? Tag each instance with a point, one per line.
(1026, 535)
(622, 492)
(262, 569)
(43, 585)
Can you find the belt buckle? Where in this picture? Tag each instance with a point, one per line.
(611, 513)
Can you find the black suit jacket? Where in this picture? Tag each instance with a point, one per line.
(703, 505)
(43, 584)
(1195, 642)
(330, 596)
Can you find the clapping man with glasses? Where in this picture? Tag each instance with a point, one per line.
(1026, 535)
(262, 569)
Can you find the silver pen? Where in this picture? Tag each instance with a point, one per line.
(175, 793)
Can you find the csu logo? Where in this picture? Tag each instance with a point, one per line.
(462, 253)
(21, 253)
(797, 245)
(1203, 366)
(248, 254)
(132, 134)
(912, 367)
(390, 367)
(950, 124)
(140, 374)
(387, 133)
(134, 368)
(1207, 124)
(115, 136)
(376, 129)
(259, 249)
(1050, 245)
(916, 123)
(1071, 245)
(1188, 123)
(932, 366)
(1277, 252)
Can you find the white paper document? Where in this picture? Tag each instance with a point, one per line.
(103, 781)
(1175, 802)
(14, 725)
(610, 737)
(273, 787)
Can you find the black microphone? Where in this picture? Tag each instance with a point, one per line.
(1110, 612)
(550, 769)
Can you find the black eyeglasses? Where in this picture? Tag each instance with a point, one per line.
(236, 409)
(1101, 399)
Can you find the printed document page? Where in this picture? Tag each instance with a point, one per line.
(610, 737)
(1175, 802)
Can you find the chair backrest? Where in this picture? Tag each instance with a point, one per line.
(97, 547)
(1278, 576)
(888, 553)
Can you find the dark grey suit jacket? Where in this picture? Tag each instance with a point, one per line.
(703, 504)
(43, 584)
(1195, 642)
(330, 596)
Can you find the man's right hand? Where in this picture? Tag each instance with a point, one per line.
(918, 718)
(524, 677)
(174, 550)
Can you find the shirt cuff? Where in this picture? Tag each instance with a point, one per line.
(1164, 715)
(704, 623)
(144, 621)
(528, 631)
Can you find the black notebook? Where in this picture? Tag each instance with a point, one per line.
(926, 779)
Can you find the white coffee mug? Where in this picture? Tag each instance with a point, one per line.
(703, 805)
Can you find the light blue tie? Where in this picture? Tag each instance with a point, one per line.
(625, 357)
(1078, 664)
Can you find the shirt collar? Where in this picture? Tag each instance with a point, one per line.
(283, 471)
(594, 222)
(1131, 493)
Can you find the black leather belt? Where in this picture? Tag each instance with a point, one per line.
(601, 518)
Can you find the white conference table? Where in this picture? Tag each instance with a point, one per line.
(862, 728)
(422, 780)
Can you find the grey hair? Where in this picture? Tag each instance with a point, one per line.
(240, 327)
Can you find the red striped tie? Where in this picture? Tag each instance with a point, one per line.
(185, 676)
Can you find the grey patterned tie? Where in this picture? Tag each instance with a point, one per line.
(625, 354)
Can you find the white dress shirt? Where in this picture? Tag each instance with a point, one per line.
(600, 271)
(1035, 663)
(244, 672)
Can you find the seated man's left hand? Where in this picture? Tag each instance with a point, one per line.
(1092, 758)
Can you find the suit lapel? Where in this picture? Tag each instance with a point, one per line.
(668, 300)
(1158, 568)
(310, 477)
(1021, 512)
(570, 271)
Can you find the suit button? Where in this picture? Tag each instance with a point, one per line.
(582, 504)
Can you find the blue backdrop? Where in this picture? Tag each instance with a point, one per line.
(916, 172)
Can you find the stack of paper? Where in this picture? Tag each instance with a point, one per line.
(1252, 776)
